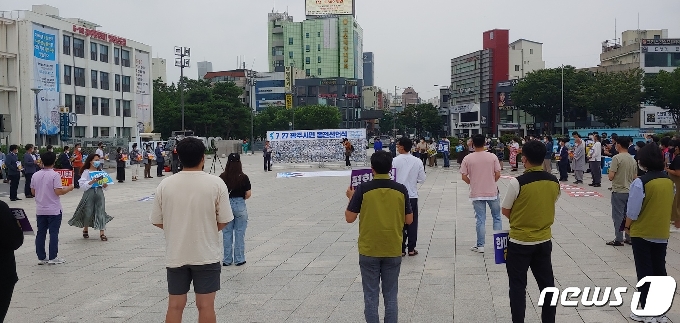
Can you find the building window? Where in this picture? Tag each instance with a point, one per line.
(93, 76)
(513, 47)
(491, 35)
(126, 84)
(67, 45)
(318, 47)
(307, 48)
(116, 82)
(516, 68)
(290, 54)
(116, 55)
(125, 58)
(306, 35)
(126, 108)
(117, 107)
(318, 34)
(104, 53)
(80, 104)
(68, 101)
(95, 132)
(67, 75)
(531, 50)
(104, 132)
(318, 59)
(307, 60)
(105, 107)
(307, 72)
(657, 36)
(104, 81)
(123, 132)
(78, 47)
(93, 51)
(95, 106)
(318, 71)
(290, 40)
(79, 76)
(656, 60)
(79, 132)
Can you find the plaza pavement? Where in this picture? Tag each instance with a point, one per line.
(303, 263)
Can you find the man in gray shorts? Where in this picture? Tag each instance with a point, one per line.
(192, 206)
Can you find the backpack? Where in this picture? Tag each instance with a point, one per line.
(351, 148)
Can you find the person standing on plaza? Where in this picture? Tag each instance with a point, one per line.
(513, 147)
(46, 186)
(393, 148)
(192, 206)
(385, 209)
(3, 158)
(422, 150)
(267, 154)
(11, 238)
(64, 159)
(410, 172)
(135, 160)
(377, 145)
(77, 162)
(120, 165)
(622, 173)
(648, 213)
(30, 168)
(673, 171)
(579, 158)
(160, 160)
(447, 152)
(500, 152)
(245, 146)
(481, 170)
(547, 160)
(100, 152)
(13, 171)
(563, 164)
(529, 204)
(234, 234)
(594, 162)
(147, 159)
(348, 151)
(91, 211)
(432, 153)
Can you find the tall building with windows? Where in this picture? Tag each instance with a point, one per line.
(159, 69)
(104, 79)
(328, 46)
(369, 69)
(204, 68)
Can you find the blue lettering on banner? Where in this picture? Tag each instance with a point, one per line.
(443, 146)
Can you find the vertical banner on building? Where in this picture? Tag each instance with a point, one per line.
(288, 79)
(289, 101)
(46, 78)
(143, 91)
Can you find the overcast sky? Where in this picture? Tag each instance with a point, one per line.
(413, 41)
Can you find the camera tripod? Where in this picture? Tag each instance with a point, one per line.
(214, 162)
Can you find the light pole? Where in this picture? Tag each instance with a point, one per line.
(37, 115)
(182, 55)
(562, 113)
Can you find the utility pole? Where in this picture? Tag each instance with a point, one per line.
(182, 55)
(562, 114)
(37, 116)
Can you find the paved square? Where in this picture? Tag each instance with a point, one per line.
(303, 262)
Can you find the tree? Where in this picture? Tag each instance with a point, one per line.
(317, 117)
(422, 118)
(663, 90)
(540, 92)
(389, 121)
(613, 97)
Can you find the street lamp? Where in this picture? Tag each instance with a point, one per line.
(562, 113)
(37, 115)
(182, 55)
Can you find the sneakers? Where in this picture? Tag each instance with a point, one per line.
(56, 261)
(42, 262)
(477, 249)
(674, 229)
(658, 319)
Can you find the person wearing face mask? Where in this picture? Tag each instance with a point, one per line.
(393, 148)
(594, 162)
(65, 159)
(673, 170)
(91, 211)
(579, 158)
(77, 162)
(513, 147)
(547, 161)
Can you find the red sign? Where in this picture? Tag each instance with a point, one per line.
(96, 34)
(66, 176)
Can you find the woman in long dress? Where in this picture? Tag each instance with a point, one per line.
(120, 165)
(514, 151)
(91, 211)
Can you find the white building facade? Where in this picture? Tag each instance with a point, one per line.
(103, 80)
(159, 69)
(525, 56)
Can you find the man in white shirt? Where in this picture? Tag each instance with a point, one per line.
(410, 172)
(192, 207)
(594, 162)
(100, 152)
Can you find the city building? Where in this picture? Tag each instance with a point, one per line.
(525, 56)
(370, 97)
(658, 54)
(624, 54)
(345, 94)
(204, 68)
(159, 69)
(104, 80)
(369, 69)
(325, 46)
(409, 97)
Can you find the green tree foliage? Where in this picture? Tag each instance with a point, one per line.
(211, 110)
(613, 97)
(540, 92)
(306, 118)
(663, 90)
(391, 120)
(422, 117)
